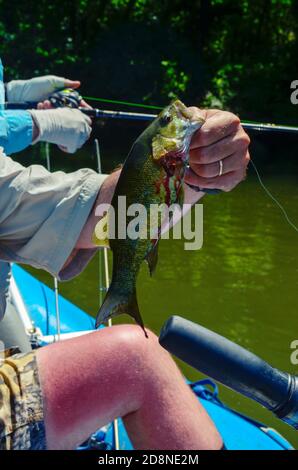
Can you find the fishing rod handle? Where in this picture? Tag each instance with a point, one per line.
(233, 366)
(24, 105)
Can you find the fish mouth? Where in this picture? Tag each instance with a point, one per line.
(190, 115)
(177, 126)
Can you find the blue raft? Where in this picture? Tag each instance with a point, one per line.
(238, 431)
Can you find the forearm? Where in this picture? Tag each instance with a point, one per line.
(105, 197)
(191, 196)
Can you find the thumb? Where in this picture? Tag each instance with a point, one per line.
(72, 84)
(198, 112)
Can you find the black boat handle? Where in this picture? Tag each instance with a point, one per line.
(233, 366)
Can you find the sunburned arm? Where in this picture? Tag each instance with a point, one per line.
(191, 196)
(105, 197)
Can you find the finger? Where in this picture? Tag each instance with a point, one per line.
(229, 181)
(198, 113)
(195, 180)
(234, 162)
(216, 127)
(44, 105)
(225, 182)
(47, 104)
(220, 149)
(84, 104)
(72, 84)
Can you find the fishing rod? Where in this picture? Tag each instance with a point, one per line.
(109, 114)
(93, 113)
(72, 99)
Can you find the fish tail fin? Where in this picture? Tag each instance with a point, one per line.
(115, 304)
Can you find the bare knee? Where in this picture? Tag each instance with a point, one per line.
(132, 343)
(146, 360)
(129, 338)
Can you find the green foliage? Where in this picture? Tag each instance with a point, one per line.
(176, 80)
(240, 55)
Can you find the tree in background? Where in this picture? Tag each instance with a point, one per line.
(241, 55)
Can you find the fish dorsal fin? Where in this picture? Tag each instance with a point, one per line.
(101, 232)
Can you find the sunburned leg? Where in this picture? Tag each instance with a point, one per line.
(90, 380)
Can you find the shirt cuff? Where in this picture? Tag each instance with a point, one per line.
(19, 131)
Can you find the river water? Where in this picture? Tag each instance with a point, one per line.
(243, 282)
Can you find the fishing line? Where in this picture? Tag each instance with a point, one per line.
(273, 198)
(126, 103)
(56, 284)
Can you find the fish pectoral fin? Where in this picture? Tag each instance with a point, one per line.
(100, 235)
(116, 304)
(152, 258)
(158, 150)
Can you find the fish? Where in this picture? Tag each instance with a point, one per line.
(153, 173)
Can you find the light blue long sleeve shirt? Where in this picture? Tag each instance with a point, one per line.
(15, 126)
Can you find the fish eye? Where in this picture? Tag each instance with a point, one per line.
(166, 119)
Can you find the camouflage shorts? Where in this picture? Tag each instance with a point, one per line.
(21, 407)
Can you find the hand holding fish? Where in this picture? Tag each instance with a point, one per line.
(218, 152)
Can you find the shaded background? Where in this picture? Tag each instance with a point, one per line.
(240, 56)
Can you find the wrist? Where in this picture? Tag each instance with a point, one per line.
(105, 196)
(40, 121)
(65, 127)
(191, 196)
(35, 131)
